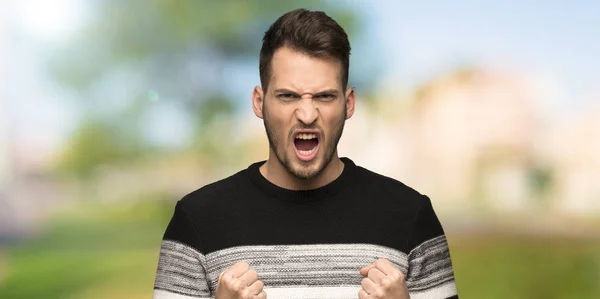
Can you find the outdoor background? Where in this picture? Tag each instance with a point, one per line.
(111, 111)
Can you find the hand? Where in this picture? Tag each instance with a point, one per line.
(383, 280)
(239, 282)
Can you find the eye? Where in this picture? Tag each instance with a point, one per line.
(286, 96)
(325, 97)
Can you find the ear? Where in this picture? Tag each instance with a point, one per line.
(350, 102)
(258, 101)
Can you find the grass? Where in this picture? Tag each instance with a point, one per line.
(104, 255)
(113, 254)
(526, 267)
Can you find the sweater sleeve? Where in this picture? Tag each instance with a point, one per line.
(430, 274)
(181, 270)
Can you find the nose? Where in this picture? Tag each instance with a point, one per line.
(307, 112)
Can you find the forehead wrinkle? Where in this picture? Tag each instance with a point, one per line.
(294, 86)
(288, 60)
(311, 88)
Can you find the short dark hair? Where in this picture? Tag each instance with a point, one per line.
(310, 32)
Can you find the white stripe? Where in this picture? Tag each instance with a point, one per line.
(304, 264)
(439, 241)
(442, 291)
(342, 292)
(162, 294)
(181, 249)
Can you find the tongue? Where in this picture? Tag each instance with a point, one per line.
(306, 144)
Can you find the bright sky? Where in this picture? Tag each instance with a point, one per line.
(558, 41)
(39, 114)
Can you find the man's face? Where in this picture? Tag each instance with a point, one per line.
(304, 111)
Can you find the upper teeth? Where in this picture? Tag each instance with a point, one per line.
(306, 136)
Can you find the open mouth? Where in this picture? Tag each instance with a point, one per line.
(306, 145)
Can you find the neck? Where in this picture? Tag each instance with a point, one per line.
(277, 174)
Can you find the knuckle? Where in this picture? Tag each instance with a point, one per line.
(362, 294)
(364, 281)
(246, 294)
(401, 275)
(224, 279)
(260, 284)
(237, 286)
(385, 282)
(252, 272)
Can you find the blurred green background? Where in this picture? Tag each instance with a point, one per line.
(110, 111)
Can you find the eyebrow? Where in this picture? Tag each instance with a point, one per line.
(328, 91)
(283, 90)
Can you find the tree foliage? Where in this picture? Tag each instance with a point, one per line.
(132, 53)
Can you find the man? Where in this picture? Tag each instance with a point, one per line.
(304, 223)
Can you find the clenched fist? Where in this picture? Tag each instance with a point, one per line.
(383, 280)
(239, 282)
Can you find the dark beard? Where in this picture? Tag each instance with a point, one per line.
(283, 159)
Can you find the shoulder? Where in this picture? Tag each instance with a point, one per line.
(212, 194)
(390, 190)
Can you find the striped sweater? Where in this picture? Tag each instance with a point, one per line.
(304, 244)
